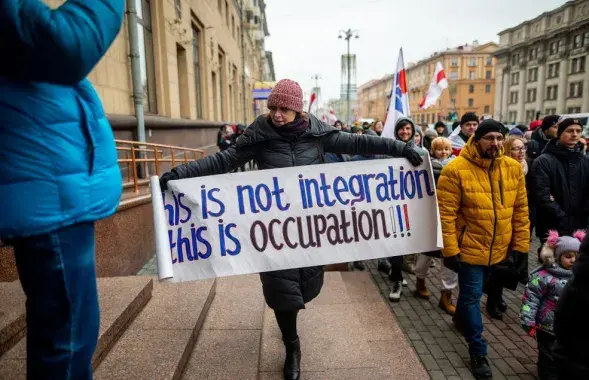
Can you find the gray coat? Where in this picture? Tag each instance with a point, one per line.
(289, 289)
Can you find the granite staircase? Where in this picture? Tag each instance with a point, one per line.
(222, 329)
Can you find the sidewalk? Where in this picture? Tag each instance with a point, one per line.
(440, 347)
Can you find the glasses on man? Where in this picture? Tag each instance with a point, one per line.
(493, 138)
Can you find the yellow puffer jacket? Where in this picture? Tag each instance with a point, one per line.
(483, 207)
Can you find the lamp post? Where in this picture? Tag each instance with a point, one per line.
(348, 35)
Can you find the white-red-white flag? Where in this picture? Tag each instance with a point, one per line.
(313, 98)
(438, 84)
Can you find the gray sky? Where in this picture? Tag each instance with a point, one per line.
(303, 33)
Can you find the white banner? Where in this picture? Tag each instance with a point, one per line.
(295, 217)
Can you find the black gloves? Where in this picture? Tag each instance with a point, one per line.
(412, 156)
(452, 263)
(169, 176)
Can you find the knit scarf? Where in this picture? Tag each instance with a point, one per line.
(291, 131)
(576, 149)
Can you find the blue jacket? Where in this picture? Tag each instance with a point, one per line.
(58, 161)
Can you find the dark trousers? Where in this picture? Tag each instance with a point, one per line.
(287, 322)
(396, 273)
(547, 369)
(57, 273)
(494, 290)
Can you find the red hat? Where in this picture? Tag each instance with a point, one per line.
(287, 94)
(535, 124)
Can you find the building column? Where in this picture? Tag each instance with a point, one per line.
(585, 95)
(521, 110)
(541, 88)
(562, 87)
(505, 97)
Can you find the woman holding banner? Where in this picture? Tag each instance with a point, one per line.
(289, 137)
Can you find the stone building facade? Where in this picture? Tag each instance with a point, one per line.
(470, 70)
(191, 60)
(542, 65)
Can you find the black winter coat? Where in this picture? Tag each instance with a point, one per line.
(570, 325)
(563, 175)
(289, 289)
(536, 145)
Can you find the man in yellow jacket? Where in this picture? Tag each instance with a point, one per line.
(484, 214)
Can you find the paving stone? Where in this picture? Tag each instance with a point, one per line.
(436, 351)
(428, 338)
(465, 374)
(429, 362)
(447, 367)
(437, 375)
(502, 365)
(420, 347)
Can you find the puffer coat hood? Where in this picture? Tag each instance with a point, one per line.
(422, 152)
(483, 207)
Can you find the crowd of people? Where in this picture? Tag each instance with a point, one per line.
(60, 175)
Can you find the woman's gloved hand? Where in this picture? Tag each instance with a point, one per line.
(168, 176)
(453, 263)
(413, 157)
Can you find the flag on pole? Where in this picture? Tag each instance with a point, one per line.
(399, 101)
(313, 97)
(438, 84)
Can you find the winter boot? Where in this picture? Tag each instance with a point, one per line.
(292, 362)
(395, 294)
(359, 265)
(480, 368)
(446, 302)
(421, 290)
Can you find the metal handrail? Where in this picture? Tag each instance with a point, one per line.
(136, 154)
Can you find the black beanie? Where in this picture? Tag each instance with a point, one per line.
(440, 124)
(469, 116)
(549, 121)
(487, 126)
(567, 123)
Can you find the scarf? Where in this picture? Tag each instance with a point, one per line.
(525, 166)
(291, 131)
(576, 149)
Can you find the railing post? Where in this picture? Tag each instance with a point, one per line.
(135, 184)
(157, 164)
(173, 158)
(128, 167)
(185, 157)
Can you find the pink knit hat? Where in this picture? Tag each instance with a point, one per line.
(287, 94)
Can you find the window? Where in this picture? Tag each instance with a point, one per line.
(515, 59)
(220, 6)
(553, 70)
(551, 92)
(471, 89)
(227, 13)
(472, 75)
(530, 115)
(215, 95)
(233, 26)
(146, 60)
(553, 48)
(578, 41)
(574, 110)
(533, 54)
(514, 79)
(560, 47)
(533, 75)
(183, 95)
(513, 97)
(578, 65)
(453, 74)
(586, 39)
(550, 111)
(487, 109)
(196, 42)
(488, 89)
(454, 62)
(488, 74)
(472, 62)
(489, 61)
(178, 8)
(470, 102)
(236, 101)
(222, 81)
(531, 95)
(576, 89)
(512, 116)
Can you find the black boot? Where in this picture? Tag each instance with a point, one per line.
(501, 305)
(494, 311)
(480, 368)
(292, 362)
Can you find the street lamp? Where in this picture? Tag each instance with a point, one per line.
(348, 35)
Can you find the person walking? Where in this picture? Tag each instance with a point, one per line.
(560, 179)
(288, 137)
(58, 172)
(484, 216)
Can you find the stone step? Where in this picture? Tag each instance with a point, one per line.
(121, 299)
(160, 340)
(228, 347)
(12, 315)
(347, 332)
